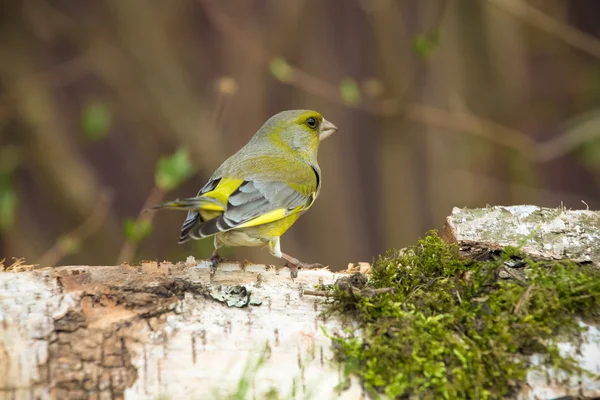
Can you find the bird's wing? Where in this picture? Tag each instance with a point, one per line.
(254, 202)
(193, 216)
(227, 202)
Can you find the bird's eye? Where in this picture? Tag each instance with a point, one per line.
(311, 122)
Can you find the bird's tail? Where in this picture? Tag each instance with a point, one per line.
(208, 206)
(188, 204)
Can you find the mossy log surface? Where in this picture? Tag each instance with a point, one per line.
(176, 331)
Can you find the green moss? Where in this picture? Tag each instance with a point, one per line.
(454, 329)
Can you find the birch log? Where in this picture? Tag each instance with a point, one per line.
(176, 331)
(165, 331)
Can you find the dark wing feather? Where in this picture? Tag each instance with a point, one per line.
(252, 199)
(193, 217)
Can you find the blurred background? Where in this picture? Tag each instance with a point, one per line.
(110, 106)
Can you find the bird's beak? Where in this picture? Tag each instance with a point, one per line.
(327, 128)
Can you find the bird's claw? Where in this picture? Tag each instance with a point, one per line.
(295, 267)
(216, 260)
(293, 270)
(214, 263)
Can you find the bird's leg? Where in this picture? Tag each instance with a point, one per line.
(215, 258)
(295, 264)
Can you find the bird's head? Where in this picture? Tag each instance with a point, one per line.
(299, 131)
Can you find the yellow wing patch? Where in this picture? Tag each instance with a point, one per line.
(265, 218)
(222, 192)
(271, 216)
(212, 207)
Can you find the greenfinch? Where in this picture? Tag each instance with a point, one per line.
(258, 193)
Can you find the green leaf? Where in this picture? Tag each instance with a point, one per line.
(589, 153)
(423, 45)
(8, 207)
(96, 120)
(69, 244)
(130, 230)
(349, 91)
(136, 230)
(172, 171)
(280, 69)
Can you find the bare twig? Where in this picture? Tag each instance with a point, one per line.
(369, 292)
(226, 88)
(61, 74)
(366, 292)
(523, 299)
(320, 293)
(544, 22)
(469, 123)
(130, 247)
(463, 123)
(18, 265)
(583, 129)
(87, 228)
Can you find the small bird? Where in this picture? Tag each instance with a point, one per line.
(258, 193)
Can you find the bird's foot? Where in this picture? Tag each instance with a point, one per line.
(215, 260)
(295, 266)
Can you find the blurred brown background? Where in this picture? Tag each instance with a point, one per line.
(439, 104)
